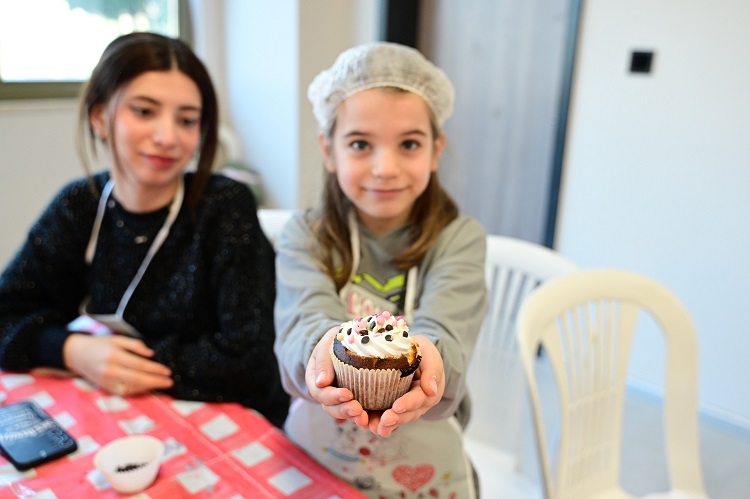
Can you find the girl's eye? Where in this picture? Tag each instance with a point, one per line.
(189, 122)
(141, 111)
(359, 145)
(410, 145)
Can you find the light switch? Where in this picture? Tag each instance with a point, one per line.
(640, 61)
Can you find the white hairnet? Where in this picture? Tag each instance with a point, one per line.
(379, 64)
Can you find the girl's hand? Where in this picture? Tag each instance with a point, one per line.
(426, 391)
(337, 402)
(116, 363)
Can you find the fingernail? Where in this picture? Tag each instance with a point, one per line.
(344, 397)
(433, 385)
(321, 376)
(398, 409)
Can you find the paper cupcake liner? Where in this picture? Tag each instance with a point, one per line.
(375, 389)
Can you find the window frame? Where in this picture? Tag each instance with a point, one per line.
(72, 89)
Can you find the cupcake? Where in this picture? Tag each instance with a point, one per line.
(375, 358)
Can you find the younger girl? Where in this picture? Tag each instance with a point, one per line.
(174, 263)
(386, 237)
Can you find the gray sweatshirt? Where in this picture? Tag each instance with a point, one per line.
(450, 300)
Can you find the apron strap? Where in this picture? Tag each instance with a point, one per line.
(411, 276)
(174, 209)
(94, 238)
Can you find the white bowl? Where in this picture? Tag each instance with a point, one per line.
(130, 464)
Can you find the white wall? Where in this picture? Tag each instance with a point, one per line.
(505, 60)
(37, 155)
(657, 171)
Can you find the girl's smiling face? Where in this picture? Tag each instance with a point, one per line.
(383, 151)
(154, 123)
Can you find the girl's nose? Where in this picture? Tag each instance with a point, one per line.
(165, 132)
(385, 164)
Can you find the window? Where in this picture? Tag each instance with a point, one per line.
(48, 47)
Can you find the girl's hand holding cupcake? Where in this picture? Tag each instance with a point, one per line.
(371, 372)
(319, 377)
(426, 391)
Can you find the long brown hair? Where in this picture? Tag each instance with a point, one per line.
(432, 211)
(126, 58)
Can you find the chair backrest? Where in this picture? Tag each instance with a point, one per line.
(272, 220)
(585, 323)
(513, 268)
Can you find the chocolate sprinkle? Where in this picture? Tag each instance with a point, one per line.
(129, 467)
(388, 337)
(388, 327)
(366, 339)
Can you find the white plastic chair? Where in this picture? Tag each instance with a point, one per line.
(514, 267)
(272, 220)
(585, 323)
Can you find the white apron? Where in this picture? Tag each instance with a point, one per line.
(419, 459)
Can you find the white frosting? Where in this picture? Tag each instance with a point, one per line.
(381, 335)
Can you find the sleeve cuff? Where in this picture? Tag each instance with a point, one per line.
(47, 350)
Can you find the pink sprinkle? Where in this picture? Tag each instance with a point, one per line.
(350, 338)
(381, 320)
(386, 314)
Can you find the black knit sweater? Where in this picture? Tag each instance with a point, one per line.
(204, 305)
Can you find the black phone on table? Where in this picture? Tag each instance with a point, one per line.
(30, 437)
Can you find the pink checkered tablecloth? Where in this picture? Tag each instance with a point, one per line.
(212, 450)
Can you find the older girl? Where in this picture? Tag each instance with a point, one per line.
(174, 263)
